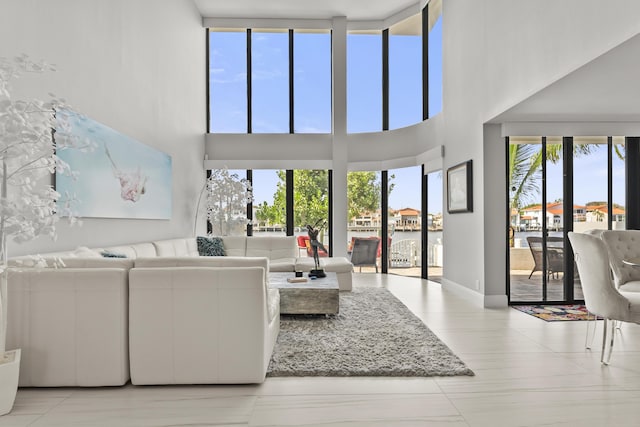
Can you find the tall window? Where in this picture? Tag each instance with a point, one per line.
(405, 72)
(364, 82)
(312, 81)
(365, 216)
(435, 226)
(405, 221)
(226, 204)
(435, 57)
(270, 81)
(559, 184)
(275, 84)
(228, 81)
(311, 204)
(269, 202)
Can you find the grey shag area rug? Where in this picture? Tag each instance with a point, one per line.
(374, 335)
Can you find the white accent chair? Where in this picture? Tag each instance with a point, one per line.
(600, 294)
(621, 245)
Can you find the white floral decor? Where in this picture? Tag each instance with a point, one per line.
(227, 196)
(30, 134)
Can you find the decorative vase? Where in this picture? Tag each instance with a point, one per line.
(9, 360)
(9, 373)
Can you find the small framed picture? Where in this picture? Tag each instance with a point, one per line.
(460, 188)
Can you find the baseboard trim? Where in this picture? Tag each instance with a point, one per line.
(496, 301)
(486, 301)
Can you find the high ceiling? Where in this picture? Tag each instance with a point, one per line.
(302, 9)
(605, 89)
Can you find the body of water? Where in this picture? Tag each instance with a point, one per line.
(435, 237)
(408, 250)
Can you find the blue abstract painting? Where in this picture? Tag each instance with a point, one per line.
(118, 177)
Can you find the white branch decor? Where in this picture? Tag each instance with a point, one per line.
(227, 196)
(30, 134)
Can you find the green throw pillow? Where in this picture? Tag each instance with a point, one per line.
(210, 246)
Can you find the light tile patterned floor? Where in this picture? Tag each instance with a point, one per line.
(528, 373)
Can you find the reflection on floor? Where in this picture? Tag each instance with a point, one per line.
(528, 373)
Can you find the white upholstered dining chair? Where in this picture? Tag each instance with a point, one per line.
(601, 296)
(621, 245)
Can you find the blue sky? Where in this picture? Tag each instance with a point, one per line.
(589, 178)
(312, 92)
(312, 102)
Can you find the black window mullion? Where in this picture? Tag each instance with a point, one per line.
(330, 213)
(384, 174)
(544, 218)
(609, 182)
(209, 227)
(249, 82)
(250, 206)
(289, 204)
(425, 218)
(291, 125)
(632, 182)
(208, 86)
(425, 62)
(384, 211)
(567, 213)
(508, 203)
(385, 80)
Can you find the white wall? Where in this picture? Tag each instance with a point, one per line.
(137, 66)
(496, 54)
(529, 45)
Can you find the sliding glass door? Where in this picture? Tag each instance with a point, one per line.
(557, 185)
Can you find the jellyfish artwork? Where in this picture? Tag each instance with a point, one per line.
(132, 184)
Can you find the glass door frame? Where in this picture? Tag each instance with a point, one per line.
(567, 212)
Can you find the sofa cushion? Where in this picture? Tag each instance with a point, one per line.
(84, 252)
(176, 247)
(336, 264)
(134, 251)
(71, 262)
(272, 247)
(97, 262)
(330, 264)
(631, 286)
(273, 303)
(226, 261)
(235, 245)
(210, 246)
(282, 265)
(622, 244)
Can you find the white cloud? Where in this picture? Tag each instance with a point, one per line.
(266, 74)
(240, 77)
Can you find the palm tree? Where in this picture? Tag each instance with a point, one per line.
(525, 168)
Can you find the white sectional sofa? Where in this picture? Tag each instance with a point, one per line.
(281, 250)
(71, 323)
(97, 321)
(201, 325)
